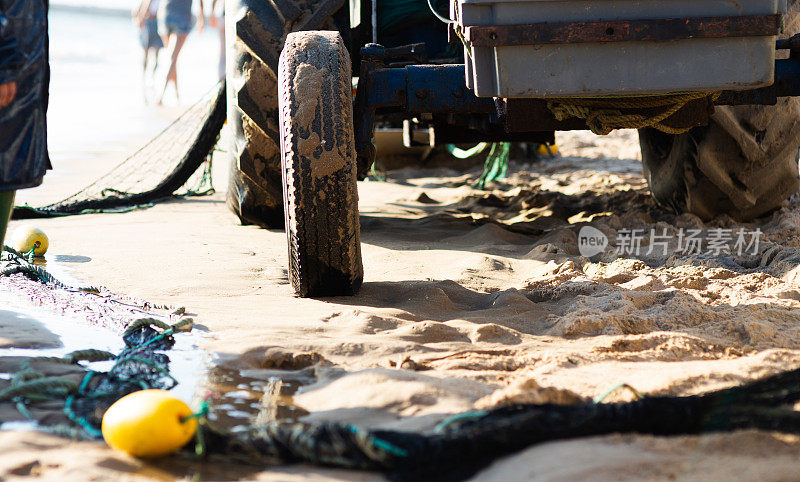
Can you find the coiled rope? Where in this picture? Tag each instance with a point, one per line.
(603, 115)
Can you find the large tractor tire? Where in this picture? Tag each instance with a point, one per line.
(743, 164)
(256, 30)
(319, 165)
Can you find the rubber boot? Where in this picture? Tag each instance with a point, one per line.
(6, 207)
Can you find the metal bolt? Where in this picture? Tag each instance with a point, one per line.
(421, 93)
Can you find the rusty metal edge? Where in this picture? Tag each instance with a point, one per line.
(663, 29)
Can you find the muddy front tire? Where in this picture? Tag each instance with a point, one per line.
(255, 33)
(319, 169)
(743, 164)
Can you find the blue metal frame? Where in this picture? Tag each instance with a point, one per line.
(440, 90)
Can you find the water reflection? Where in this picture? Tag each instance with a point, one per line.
(237, 401)
(70, 258)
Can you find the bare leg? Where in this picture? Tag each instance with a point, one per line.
(176, 41)
(144, 75)
(155, 60)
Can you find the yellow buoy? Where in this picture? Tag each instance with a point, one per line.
(148, 423)
(545, 150)
(26, 238)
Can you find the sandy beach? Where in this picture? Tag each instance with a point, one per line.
(471, 300)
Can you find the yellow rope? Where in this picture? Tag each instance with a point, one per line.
(603, 115)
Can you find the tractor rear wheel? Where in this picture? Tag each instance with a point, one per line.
(743, 164)
(319, 165)
(256, 30)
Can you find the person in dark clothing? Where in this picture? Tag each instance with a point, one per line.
(24, 84)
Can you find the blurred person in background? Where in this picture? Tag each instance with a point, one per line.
(175, 21)
(24, 84)
(146, 17)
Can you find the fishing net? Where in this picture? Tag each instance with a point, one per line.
(461, 446)
(168, 166)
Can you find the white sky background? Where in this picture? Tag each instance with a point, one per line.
(127, 5)
(121, 5)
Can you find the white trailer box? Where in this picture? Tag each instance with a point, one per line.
(591, 48)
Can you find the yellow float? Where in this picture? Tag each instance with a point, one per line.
(148, 423)
(26, 237)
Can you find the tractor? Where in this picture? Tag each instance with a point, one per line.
(710, 86)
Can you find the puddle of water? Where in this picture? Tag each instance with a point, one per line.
(59, 271)
(237, 400)
(74, 334)
(67, 258)
(20, 426)
(185, 358)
